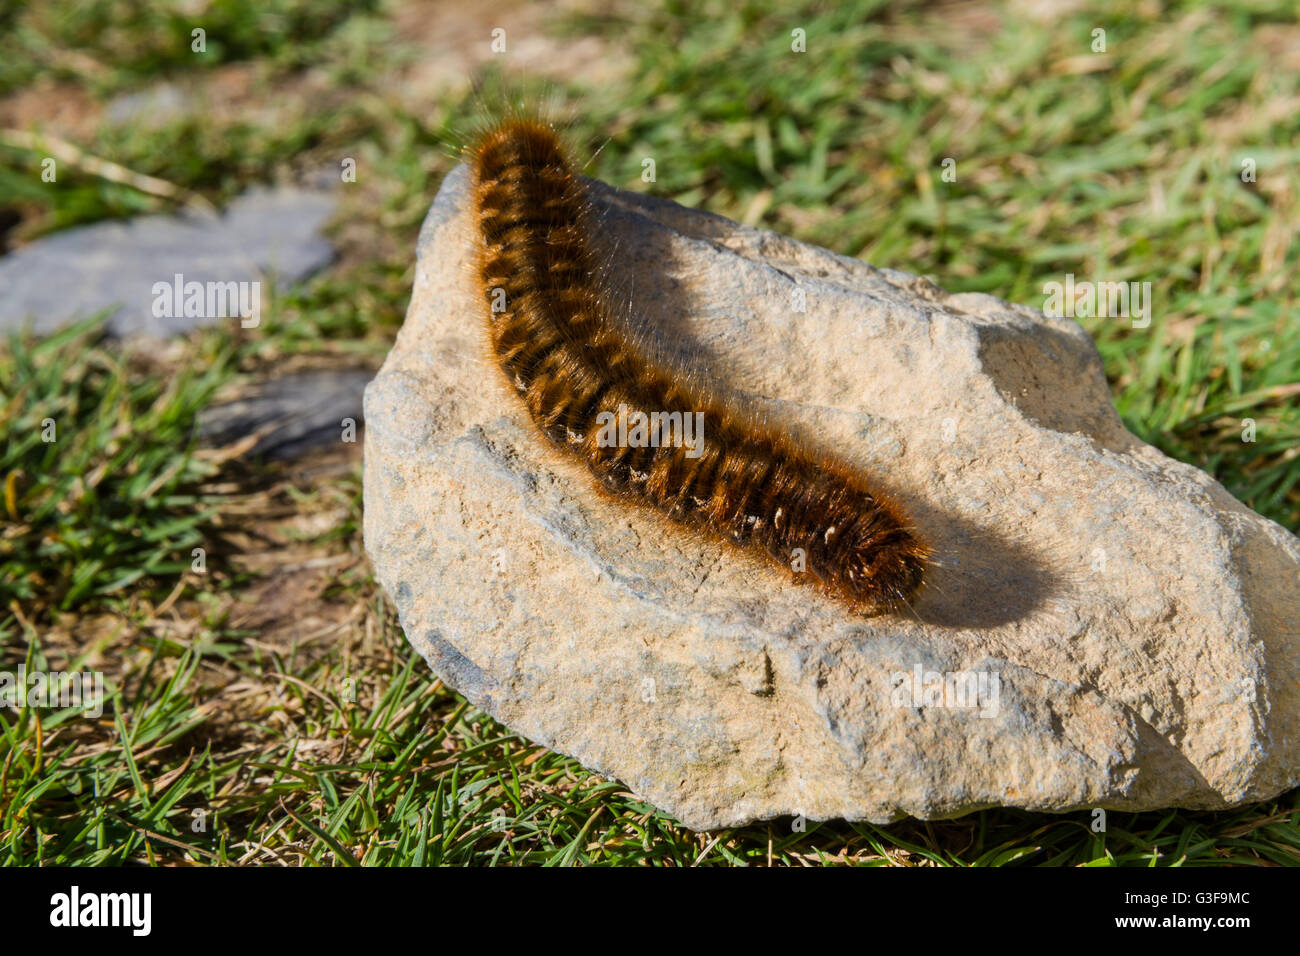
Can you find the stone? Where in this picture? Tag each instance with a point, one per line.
(265, 235)
(1104, 626)
(286, 416)
(150, 108)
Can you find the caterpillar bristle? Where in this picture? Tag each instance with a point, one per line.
(575, 369)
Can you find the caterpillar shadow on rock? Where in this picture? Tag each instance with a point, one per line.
(647, 430)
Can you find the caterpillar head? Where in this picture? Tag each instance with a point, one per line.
(881, 564)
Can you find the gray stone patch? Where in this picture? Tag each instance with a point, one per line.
(290, 414)
(150, 108)
(270, 236)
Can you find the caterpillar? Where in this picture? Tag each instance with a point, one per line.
(553, 334)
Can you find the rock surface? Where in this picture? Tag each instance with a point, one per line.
(1129, 627)
(113, 266)
(290, 414)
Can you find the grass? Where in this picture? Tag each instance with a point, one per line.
(100, 473)
(267, 709)
(116, 43)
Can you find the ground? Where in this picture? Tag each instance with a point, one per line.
(265, 707)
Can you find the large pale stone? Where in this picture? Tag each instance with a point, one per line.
(1135, 625)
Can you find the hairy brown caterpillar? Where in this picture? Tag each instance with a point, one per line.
(577, 372)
